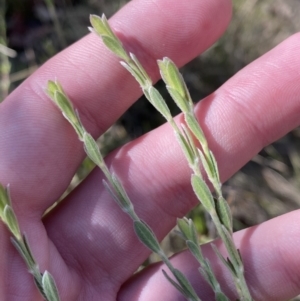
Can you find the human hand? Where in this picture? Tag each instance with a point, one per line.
(87, 242)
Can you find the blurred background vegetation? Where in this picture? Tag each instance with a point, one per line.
(32, 31)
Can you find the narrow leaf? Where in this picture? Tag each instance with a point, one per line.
(188, 137)
(136, 75)
(228, 264)
(159, 103)
(195, 250)
(181, 103)
(183, 226)
(3, 200)
(188, 230)
(124, 204)
(49, 287)
(116, 47)
(51, 88)
(175, 284)
(124, 198)
(102, 28)
(99, 26)
(147, 79)
(80, 130)
(185, 284)
(207, 167)
(203, 193)
(8, 197)
(210, 277)
(65, 106)
(107, 26)
(215, 166)
(231, 249)
(195, 128)
(22, 251)
(146, 236)
(193, 231)
(171, 76)
(59, 87)
(224, 213)
(92, 149)
(174, 79)
(39, 286)
(221, 297)
(186, 148)
(29, 255)
(57, 94)
(11, 221)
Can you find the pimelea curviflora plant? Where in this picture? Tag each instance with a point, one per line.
(186, 135)
(189, 135)
(44, 281)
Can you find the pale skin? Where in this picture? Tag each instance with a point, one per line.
(88, 243)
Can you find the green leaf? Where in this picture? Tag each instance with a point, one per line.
(221, 297)
(175, 82)
(193, 231)
(4, 200)
(116, 47)
(169, 72)
(158, 102)
(188, 137)
(11, 221)
(49, 287)
(207, 167)
(210, 277)
(175, 284)
(65, 106)
(186, 148)
(227, 263)
(215, 166)
(231, 249)
(182, 104)
(102, 28)
(137, 75)
(124, 203)
(195, 250)
(183, 225)
(171, 76)
(186, 285)
(40, 287)
(147, 79)
(203, 193)
(80, 130)
(188, 230)
(224, 213)
(127, 206)
(22, 251)
(92, 149)
(59, 87)
(99, 26)
(107, 26)
(29, 255)
(194, 126)
(51, 89)
(146, 236)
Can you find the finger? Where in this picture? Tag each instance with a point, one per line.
(156, 175)
(36, 140)
(270, 254)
